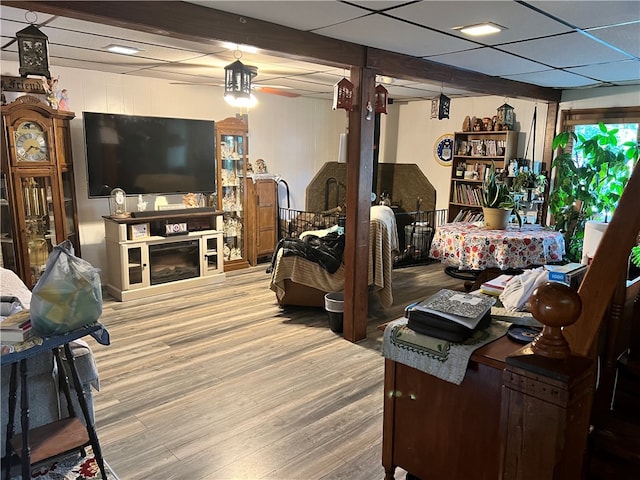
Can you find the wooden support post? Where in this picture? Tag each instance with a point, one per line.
(359, 178)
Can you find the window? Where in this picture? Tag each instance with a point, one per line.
(585, 122)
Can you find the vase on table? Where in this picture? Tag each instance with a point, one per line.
(496, 218)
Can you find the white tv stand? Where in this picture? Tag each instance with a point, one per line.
(144, 260)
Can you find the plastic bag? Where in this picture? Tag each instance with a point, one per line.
(67, 296)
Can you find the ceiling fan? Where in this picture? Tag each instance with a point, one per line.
(271, 89)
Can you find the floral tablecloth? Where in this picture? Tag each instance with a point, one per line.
(470, 246)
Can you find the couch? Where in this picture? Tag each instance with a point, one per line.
(47, 401)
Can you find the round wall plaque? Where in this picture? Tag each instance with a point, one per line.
(443, 149)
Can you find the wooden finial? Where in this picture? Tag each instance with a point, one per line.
(555, 305)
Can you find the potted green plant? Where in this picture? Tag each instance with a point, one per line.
(528, 180)
(589, 186)
(498, 203)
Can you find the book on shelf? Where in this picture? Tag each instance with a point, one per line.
(459, 307)
(16, 328)
(496, 285)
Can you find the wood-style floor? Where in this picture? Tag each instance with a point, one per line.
(220, 383)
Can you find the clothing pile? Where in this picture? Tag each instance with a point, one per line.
(326, 251)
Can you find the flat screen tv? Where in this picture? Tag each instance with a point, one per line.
(149, 155)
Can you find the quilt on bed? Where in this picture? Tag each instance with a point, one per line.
(383, 245)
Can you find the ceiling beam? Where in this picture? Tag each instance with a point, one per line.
(201, 24)
(414, 68)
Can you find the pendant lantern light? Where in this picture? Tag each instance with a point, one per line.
(382, 99)
(440, 107)
(237, 83)
(506, 116)
(33, 52)
(343, 95)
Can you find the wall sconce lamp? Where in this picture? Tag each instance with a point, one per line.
(382, 99)
(33, 52)
(440, 107)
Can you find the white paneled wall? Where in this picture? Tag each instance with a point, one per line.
(295, 137)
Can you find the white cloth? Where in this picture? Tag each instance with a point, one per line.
(515, 296)
(440, 358)
(11, 285)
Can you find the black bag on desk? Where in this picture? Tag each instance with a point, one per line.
(439, 327)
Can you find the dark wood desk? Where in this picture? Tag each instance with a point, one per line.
(62, 436)
(424, 416)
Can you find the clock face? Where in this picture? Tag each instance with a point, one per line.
(443, 149)
(31, 143)
(118, 199)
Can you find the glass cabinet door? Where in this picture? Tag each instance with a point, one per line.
(232, 184)
(69, 210)
(36, 196)
(7, 252)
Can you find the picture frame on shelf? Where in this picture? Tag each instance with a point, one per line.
(139, 231)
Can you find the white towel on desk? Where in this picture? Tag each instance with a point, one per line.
(516, 294)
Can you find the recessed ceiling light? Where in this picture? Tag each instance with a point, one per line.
(122, 49)
(480, 29)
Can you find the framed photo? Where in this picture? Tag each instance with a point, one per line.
(138, 231)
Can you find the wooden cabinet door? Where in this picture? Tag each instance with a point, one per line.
(266, 234)
(426, 416)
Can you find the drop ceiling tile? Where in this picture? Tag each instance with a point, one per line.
(9, 56)
(101, 59)
(521, 22)
(553, 78)
(379, 5)
(488, 61)
(625, 37)
(399, 36)
(203, 71)
(23, 16)
(611, 72)
(96, 44)
(84, 65)
(302, 83)
(302, 15)
(398, 92)
(591, 13)
(570, 50)
(143, 39)
(181, 78)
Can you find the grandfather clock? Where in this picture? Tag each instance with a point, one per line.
(37, 193)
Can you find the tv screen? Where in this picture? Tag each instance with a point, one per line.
(149, 155)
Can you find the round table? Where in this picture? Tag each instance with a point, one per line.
(470, 246)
